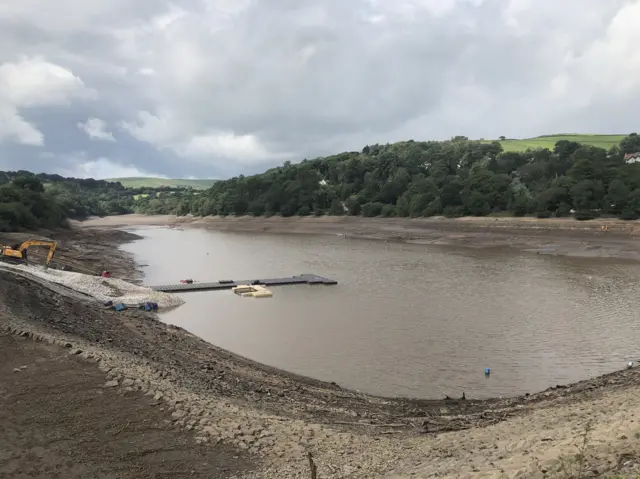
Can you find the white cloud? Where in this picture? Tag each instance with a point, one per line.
(243, 148)
(615, 57)
(147, 72)
(65, 17)
(95, 128)
(101, 168)
(165, 131)
(410, 10)
(105, 168)
(33, 82)
(155, 129)
(14, 128)
(36, 82)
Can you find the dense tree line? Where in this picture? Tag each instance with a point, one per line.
(29, 201)
(452, 178)
(408, 179)
(23, 203)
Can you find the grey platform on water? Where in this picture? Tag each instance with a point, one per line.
(228, 284)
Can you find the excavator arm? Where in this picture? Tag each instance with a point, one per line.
(49, 244)
(19, 252)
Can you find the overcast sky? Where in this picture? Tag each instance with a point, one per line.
(214, 88)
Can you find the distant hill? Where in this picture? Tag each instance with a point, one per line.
(548, 141)
(141, 182)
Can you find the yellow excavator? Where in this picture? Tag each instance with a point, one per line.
(18, 252)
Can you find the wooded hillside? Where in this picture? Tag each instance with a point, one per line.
(453, 178)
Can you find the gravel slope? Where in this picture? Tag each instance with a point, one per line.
(97, 287)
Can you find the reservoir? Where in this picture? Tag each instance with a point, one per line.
(405, 319)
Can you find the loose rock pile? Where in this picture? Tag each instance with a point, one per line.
(102, 289)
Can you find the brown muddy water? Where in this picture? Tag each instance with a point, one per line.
(404, 320)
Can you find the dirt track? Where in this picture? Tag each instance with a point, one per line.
(243, 415)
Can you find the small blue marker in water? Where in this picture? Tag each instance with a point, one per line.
(487, 371)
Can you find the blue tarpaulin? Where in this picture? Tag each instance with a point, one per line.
(149, 306)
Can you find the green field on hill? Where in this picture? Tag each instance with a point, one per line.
(141, 182)
(548, 141)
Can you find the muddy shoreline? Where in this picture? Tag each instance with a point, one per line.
(612, 239)
(273, 418)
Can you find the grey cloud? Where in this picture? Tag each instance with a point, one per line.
(293, 79)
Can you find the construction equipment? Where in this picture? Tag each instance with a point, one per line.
(18, 252)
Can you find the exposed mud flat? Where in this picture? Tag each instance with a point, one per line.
(261, 422)
(542, 236)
